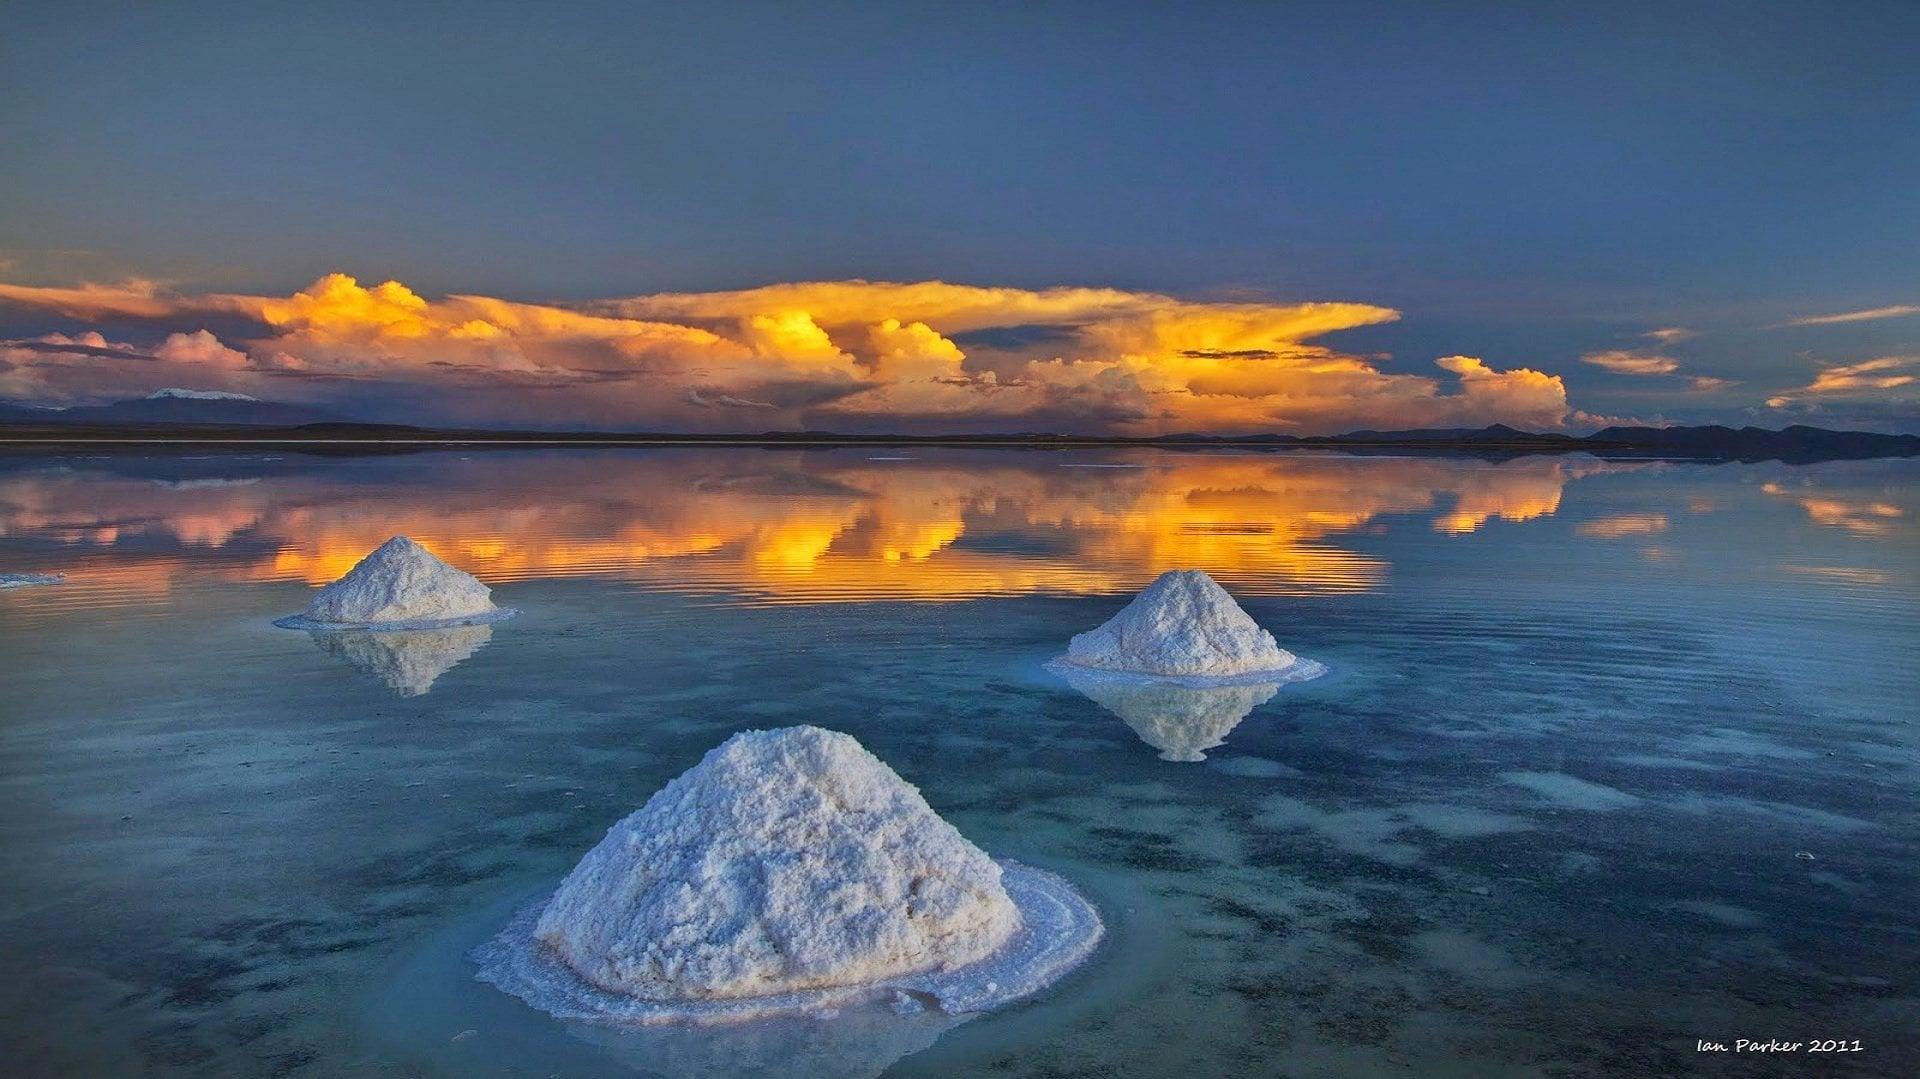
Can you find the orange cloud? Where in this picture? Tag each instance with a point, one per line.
(134, 299)
(811, 354)
(1854, 379)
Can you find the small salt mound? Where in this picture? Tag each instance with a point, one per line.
(1181, 722)
(789, 870)
(22, 580)
(408, 661)
(401, 585)
(1184, 625)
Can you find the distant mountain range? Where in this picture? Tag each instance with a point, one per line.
(172, 406)
(180, 415)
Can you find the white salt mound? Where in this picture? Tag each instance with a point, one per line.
(1185, 625)
(789, 870)
(22, 580)
(401, 585)
(787, 860)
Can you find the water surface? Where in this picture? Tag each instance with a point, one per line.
(1613, 757)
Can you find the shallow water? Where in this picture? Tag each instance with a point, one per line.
(1612, 757)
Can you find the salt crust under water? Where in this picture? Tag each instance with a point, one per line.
(399, 586)
(789, 870)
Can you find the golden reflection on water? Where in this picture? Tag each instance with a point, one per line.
(1863, 516)
(1624, 524)
(800, 526)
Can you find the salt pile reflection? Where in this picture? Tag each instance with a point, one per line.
(856, 1045)
(408, 662)
(1182, 722)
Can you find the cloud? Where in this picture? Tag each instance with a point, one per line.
(132, 299)
(56, 346)
(1854, 380)
(1668, 335)
(64, 369)
(1709, 384)
(1868, 315)
(1640, 363)
(854, 354)
(707, 398)
(1624, 362)
(198, 347)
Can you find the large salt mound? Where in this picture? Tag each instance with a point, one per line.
(24, 580)
(789, 870)
(401, 585)
(1184, 625)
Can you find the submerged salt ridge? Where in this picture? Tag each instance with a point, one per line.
(789, 870)
(401, 585)
(1185, 627)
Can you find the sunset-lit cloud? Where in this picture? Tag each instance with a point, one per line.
(1625, 362)
(59, 368)
(1642, 363)
(1869, 315)
(133, 299)
(842, 354)
(1667, 335)
(1868, 378)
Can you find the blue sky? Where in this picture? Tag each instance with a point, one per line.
(1523, 185)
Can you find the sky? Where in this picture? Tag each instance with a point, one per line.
(1137, 219)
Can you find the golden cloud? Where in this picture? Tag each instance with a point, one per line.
(1854, 379)
(855, 354)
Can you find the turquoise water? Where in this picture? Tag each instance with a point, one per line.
(1612, 758)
